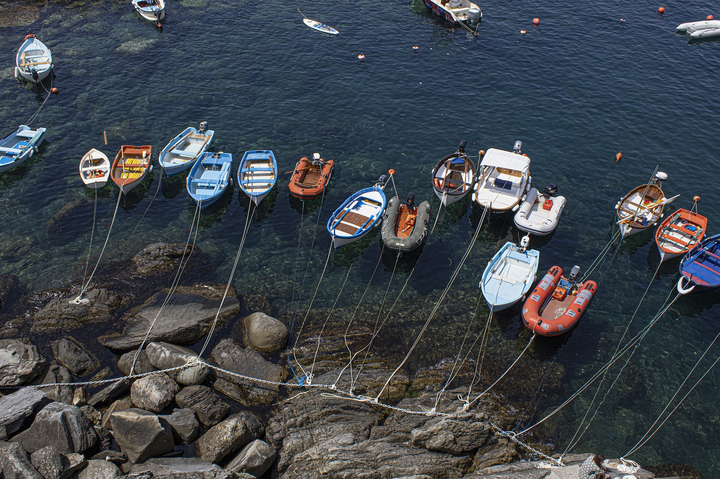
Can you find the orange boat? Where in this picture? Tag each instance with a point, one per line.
(680, 232)
(557, 303)
(130, 166)
(310, 178)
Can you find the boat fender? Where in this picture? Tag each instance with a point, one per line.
(516, 207)
(17, 72)
(437, 183)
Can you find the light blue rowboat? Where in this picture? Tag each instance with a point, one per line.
(257, 174)
(33, 60)
(358, 214)
(509, 275)
(19, 145)
(209, 178)
(183, 151)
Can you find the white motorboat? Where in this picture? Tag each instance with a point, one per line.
(150, 10)
(456, 11)
(539, 213)
(33, 60)
(504, 180)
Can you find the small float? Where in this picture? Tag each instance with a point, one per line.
(19, 145)
(539, 213)
(462, 12)
(557, 303)
(94, 169)
(184, 150)
(454, 176)
(151, 10)
(680, 232)
(504, 180)
(257, 174)
(130, 166)
(33, 61)
(643, 206)
(700, 267)
(311, 177)
(209, 178)
(405, 226)
(509, 275)
(356, 216)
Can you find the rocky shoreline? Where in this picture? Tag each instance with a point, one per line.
(180, 417)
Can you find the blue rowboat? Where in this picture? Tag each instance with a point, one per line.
(358, 214)
(700, 267)
(509, 275)
(209, 178)
(18, 146)
(183, 151)
(257, 174)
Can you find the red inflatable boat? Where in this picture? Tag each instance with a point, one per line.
(310, 178)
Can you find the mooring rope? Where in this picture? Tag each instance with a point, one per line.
(37, 112)
(601, 256)
(437, 216)
(151, 200)
(92, 235)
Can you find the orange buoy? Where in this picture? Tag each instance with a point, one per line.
(523, 32)
(481, 153)
(696, 199)
(661, 10)
(415, 47)
(54, 90)
(709, 17)
(391, 171)
(536, 21)
(622, 20)
(618, 157)
(361, 57)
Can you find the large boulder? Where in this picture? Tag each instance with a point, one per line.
(229, 436)
(52, 465)
(208, 406)
(264, 333)
(142, 363)
(57, 374)
(18, 406)
(15, 463)
(108, 393)
(119, 405)
(99, 469)
(74, 356)
(154, 392)
(61, 425)
(184, 424)
(255, 458)
(165, 355)
(186, 319)
(141, 434)
(62, 313)
(20, 362)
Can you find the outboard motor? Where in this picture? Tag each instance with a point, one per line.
(474, 14)
(316, 159)
(518, 147)
(203, 127)
(525, 242)
(461, 146)
(661, 176)
(550, 190)
(574, 272)
(34, 74)
(382, 181)
(410, 200)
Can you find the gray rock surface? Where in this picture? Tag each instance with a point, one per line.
(142, 364)
(48, 462)
(15, 463)
(181, 467)
(158, 258)
(184, 424)
(248, 362)
(57, 374)
(61, 425)
(20, 362)
(71, 354)
(108, 393)
(454, 436)
(208, 406)
(141, 434)
(229, 436)
(119, 405)
(255, 458)
(62, 314)
(264, 333)
(165, 355)
(154, 392)
(16, 407)
(98, 469)
(184, 320)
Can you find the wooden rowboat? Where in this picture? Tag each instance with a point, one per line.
(643, 206)
(257, 174)
(680, 232)
(310, 178)
(94, 169)
(700, 267)
(454, 176)
(130, 166)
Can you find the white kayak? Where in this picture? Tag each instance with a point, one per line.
(691, 27)
(320, 27)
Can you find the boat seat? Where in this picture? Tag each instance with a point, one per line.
(503, 184)
(185, 153)
(26, 133)
(503, 279)
(205, 185)
(256, 170)
(12, 151)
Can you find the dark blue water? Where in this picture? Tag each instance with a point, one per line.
(576, 90)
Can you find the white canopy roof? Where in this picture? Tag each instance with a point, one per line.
(506, 159)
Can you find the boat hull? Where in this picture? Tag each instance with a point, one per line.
(130, 166)
(257, 174)
(33, 61)
(679, 233)
(405, 232)
(310, 180)
(508, 276)
(453, 177)
(19, 145)
(539, 214)
(700, 267)
(209, 178)
(466, 13)
(94, 169)
(503, 183)
(356, 216)
(184, 150)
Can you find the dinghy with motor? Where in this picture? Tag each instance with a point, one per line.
(643, 206)
(19, 145)
(94, 169)
(130, 166)
(700, 267)
(257, 174)
(183, 151)
(680, 232)
(209, 178)
(310, 178)
(357, 215)
(456, 11)
(34, 60)
(151, 10)
(539, 213)
(504, 180)
(509, 275)
(454, 176)
(405, 226)
(557, 303)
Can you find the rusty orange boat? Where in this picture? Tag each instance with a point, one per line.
(680, 232)
(130, 166)
(310, 177)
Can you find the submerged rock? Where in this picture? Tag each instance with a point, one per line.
(18, 15)
(73, 355)
(62, 313)
(264, 333)
(9, 289)
(159, 258)
(20, 362)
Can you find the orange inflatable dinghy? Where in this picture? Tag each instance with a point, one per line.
(310, 178)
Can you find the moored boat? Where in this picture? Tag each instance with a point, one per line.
(94, 169)
(692, 27)
(539, 213)
(257, 174)
(19, 145)
(209, 178)
(150, 10)
(504, 180)
(454, 176)
(357, 215)
(405, 226)
(311, 177)
(509, 275)
(456, 11)
(130, 166)
(557, 303)
(320, 27)
(700, 267)
(184, 150)
(680, 232)
(642, 207)
(705, 34)
(33, 60)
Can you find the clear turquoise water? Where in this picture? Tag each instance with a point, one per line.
(576, 90)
